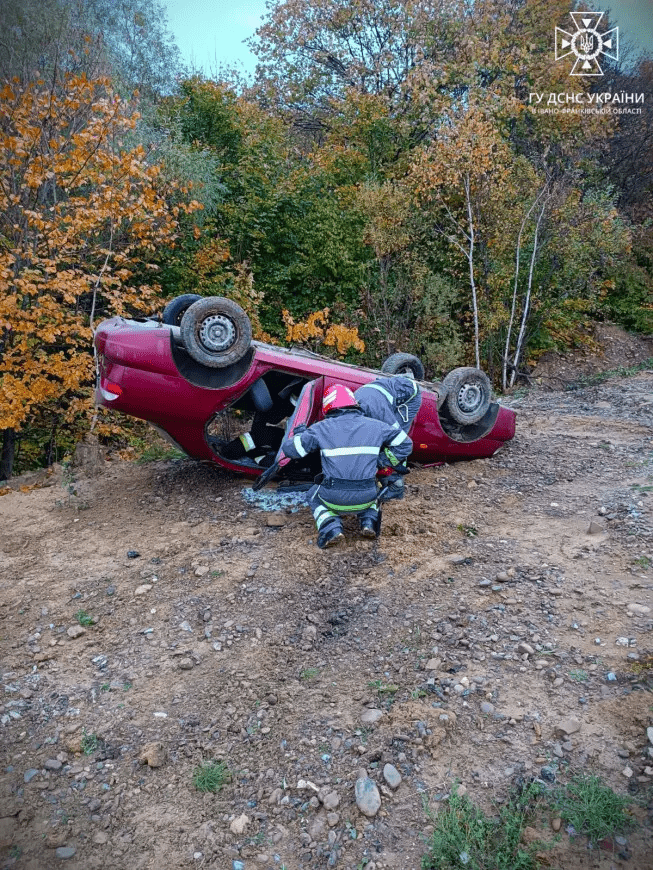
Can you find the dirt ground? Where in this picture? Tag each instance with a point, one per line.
(498, 631)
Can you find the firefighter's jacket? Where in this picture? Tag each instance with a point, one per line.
(395, 401)
(352, 447)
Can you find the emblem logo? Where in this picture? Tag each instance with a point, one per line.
(587, 43)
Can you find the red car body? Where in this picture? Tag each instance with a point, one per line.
(144, 372)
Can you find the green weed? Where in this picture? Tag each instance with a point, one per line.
(90, 742)
(364, 734)
(468, 531)
(157, 452)
(592, 808)
(382, 688)
(84, 618)
(211, 776)
(601, 377)
(426, 806)
(579, 676)
(466, 839)
(309, 673)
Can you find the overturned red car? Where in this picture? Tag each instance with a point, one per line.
(196, 374)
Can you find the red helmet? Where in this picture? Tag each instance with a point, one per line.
(338, 396)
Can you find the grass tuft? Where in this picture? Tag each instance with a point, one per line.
(383, 688)
(579, 676)
(466, 839)
(90, 742)
(468, 531)
(592, 808)
(84, 618)
(211, 776)
(601, 377)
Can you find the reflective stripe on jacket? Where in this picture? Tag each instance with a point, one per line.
(351, 445)
(395, 401)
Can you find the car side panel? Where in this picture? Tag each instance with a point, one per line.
(429, 439)
(140, 363)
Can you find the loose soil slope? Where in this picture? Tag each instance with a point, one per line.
(506, 598)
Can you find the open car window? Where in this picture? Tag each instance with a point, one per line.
(260, 411)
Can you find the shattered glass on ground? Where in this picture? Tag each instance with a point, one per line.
(275, 501)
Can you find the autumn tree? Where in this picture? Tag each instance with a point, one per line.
(420, 118)
(279, 216)
(127, 41)
(80, 216)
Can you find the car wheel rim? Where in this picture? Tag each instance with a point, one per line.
(217, 333)
(470, 398)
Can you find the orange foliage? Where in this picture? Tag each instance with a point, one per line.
(219, 276)
(316, 326)
(79, 215)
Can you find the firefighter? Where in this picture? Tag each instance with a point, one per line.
(395, 401)
(352, 447)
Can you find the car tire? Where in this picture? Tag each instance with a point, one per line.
(177, 307)
(216, 332)
(468, 394)
(404, 364)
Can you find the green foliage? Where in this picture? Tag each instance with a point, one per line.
(210, 776)
(602, 377)
(629, 298)
(158, 451)
(466, 839)
(90, 742)
(592, 808)
(207, 118)
(382, 688)
(467, 531)
(53, 431)
(83, 618)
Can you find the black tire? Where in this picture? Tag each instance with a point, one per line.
(468, 394)
(404, 364)
(216, 332)
(177, 307)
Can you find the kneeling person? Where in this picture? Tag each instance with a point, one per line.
(395, 401)
(352, 447)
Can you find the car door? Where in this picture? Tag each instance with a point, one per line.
(307, 411)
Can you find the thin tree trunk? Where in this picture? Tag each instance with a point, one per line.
(470, 259)
(8, 453)
(504, 367)
(527, 301)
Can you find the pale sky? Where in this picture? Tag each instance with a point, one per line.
(634, 18)
(210, 32)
